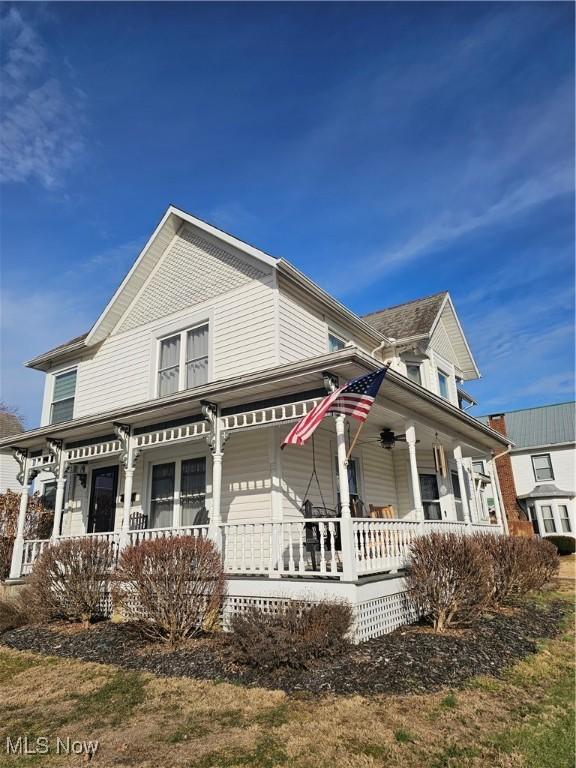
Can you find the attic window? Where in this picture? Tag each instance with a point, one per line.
(443, 384)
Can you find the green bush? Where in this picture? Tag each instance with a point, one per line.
(566, 545)
(295, 636)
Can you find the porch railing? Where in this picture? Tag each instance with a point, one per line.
(308, 547)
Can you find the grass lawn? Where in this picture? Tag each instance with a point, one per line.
(524, 720)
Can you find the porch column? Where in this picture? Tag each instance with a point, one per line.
(463, 488)
(415, 478)
(347, 535)
(18, 550)
(493, 474)
(128, 459)
(277, 511)
(56, 448)
(216, 440)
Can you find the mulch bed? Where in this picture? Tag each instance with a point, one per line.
(409, 660)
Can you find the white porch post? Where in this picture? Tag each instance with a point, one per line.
(463, 489)
(349, 566)
(56, 447)
(128, 459)
(275, 501)
(18, 550)
(415, 478)
(500, 517)
(216, 440)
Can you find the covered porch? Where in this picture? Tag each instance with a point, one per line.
(212, 467)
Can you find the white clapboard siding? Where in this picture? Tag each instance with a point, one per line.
(303, 333)
(441, 342)
(120, 372)
(8, 471)
(378, 476)
(297, 469)
(246, 479)
(402, 478)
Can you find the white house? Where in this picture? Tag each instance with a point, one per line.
(10, 425)
(543, 464)
(167, 418)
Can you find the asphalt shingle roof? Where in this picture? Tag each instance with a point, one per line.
(414, 318)
(10, 424)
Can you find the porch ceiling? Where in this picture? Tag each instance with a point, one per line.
(399, 400)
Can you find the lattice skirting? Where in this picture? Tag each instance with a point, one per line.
(372, 618)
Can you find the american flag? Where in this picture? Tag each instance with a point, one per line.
(354, 399)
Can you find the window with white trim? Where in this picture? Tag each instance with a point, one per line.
(548, 518)
(443, 384)
(564, 518)
(183, 360)
(457, 496)
(63, 394)
(542, 465)
(178, 493)
(335, 342)
(430, 496)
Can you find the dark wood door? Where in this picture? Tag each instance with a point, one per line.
(103, 491)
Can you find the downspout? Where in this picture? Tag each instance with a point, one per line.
(387, 342)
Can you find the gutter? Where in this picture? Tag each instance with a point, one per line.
(290, 371)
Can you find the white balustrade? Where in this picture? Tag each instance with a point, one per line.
(444, 526)
(33, 548)
(309, 546)
(382, 545)
(94, 451)
(248, 547)
(272, 415)
(148, 534)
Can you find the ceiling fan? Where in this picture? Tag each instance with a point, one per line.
(388, 438)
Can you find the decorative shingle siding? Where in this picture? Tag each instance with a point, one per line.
(192, 271)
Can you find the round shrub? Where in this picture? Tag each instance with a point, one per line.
(294, 636)
(519, 564)
(70, 580)
(449, 579)
(566, 545)
(174, 588)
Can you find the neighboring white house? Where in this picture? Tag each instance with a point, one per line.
(167, 418)
(543, 462)
(10, 425)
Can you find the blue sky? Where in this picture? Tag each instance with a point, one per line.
(388, 150)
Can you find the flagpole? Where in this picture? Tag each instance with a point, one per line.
(353, 443)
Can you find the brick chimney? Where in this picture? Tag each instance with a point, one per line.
(505, 475)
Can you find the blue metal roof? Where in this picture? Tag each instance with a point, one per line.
(545, 425)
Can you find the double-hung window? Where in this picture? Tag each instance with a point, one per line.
(548, 518)
(63, 397)
(430, 497)
(178, 486)
(457, 496)
(542, 467)
(564, 518)
(183, 360)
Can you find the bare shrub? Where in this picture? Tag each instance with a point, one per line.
(295, 636)
(38, 524)
(174, 588)
(449, 580)
(70, 579)
(13, 614)
(519, 565)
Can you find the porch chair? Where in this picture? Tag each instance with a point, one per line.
(386, 512)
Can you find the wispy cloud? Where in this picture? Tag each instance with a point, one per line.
(41, 127)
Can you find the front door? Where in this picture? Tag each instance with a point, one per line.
(103, 492)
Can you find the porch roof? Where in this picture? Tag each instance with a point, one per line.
(398, 393)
